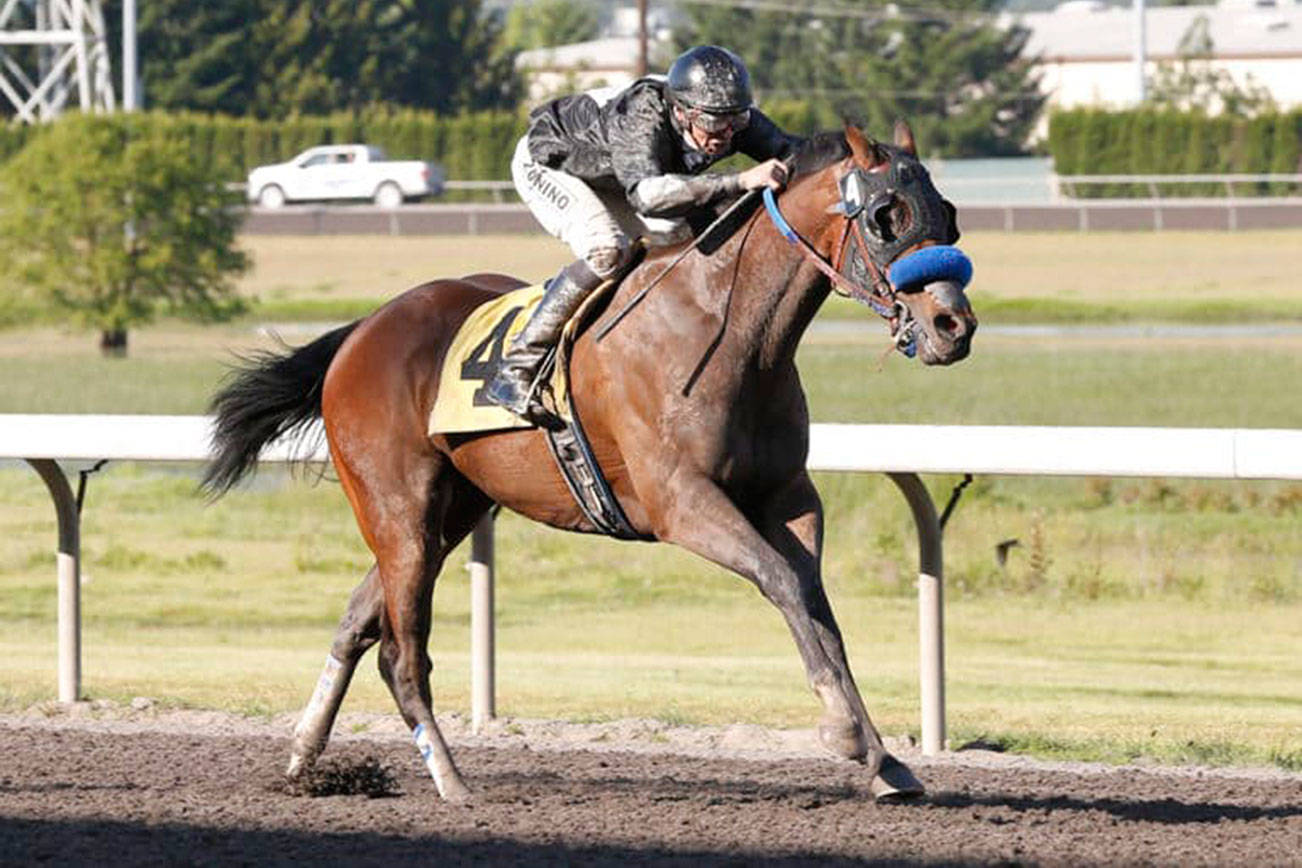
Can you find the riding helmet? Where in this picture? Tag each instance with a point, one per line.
(710, 79)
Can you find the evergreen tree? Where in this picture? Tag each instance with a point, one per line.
(545, 23)
(447, 55)
(272, 58)
(323, 56)
(960, 80)
(205, 57)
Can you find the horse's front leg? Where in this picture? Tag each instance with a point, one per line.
(791, 520)
(783, 562)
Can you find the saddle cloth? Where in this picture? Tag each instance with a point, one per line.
(476, 352)
(473, 359)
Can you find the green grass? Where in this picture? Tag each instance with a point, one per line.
(1136, 619)
(1168, 310)
(1152, 653)
(1213, 382)
(1067, 277)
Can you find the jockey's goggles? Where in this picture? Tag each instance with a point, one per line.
(717, 124)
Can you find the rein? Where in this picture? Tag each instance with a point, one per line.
(881, 298)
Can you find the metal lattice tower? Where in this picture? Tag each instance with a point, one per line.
(54, 53)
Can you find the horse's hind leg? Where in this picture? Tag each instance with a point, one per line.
(413, 508)
(358, 630)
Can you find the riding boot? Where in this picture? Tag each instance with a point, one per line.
(513, 384)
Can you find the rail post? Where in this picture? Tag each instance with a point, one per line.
(931, 615)
(483, 704)
(68, 566)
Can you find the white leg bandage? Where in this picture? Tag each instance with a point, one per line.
(325, 686)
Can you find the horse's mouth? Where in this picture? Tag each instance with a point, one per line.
(940, 323)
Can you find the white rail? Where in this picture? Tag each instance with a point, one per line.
(900, 451)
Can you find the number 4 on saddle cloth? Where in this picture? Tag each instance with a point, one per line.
(476, 353)
(473, 359)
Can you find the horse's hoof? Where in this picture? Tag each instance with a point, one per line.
(297, 766)
(895, 783)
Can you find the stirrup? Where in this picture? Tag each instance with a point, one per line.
(506, 393)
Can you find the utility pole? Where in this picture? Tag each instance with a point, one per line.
(641, 39)
(1141, 52)
(129, 68)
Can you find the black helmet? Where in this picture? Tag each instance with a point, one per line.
(710, 79)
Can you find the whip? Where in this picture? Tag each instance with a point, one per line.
(746, 199)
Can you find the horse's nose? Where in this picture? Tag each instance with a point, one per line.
(953, 319)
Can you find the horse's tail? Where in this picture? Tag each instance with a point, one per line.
(271, 394)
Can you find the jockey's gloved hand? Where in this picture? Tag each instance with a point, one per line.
(770, 173)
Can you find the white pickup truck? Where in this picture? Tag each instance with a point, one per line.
(343, 172)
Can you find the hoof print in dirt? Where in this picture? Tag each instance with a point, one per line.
(365, 777)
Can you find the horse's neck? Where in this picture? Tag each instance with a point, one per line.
(779, 300)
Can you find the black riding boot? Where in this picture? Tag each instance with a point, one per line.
(511, 386)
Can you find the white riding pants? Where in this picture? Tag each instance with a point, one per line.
(597, 226)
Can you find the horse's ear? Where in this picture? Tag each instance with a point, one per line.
(864, 150)
(904, 138)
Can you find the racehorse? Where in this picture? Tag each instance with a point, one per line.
(693, 407)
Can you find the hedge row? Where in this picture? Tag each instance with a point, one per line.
(470, 147)
(478, 146)
(1156, 142)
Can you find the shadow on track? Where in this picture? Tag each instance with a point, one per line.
(1164, 811)
(131, 844)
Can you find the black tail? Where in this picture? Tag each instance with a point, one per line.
(270, 395)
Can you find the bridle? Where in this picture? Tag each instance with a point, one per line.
(867, 243)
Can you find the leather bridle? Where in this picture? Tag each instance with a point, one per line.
(865, 239)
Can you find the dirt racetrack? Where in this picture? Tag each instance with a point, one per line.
(142, 788)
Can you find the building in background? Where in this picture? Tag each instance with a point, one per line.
(608, 61)
(1086, 48)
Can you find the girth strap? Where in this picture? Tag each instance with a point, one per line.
(583, 477)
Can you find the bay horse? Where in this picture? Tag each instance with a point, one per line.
(693, 407)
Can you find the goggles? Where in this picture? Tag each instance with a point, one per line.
(716, 124)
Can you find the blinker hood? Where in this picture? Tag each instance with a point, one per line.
(870, 196)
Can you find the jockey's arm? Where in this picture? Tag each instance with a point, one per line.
(642, 143)
(676, 195)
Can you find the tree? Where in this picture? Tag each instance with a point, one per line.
(272, 58)
(113, 223)
(201, 56)
(945, 66)
(1192, 82)
(545, 23)
(448, 55)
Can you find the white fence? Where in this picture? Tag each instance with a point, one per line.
(900, 451)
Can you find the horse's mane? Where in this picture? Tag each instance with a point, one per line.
(820, 151)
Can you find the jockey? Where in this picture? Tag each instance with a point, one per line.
(601, 168)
